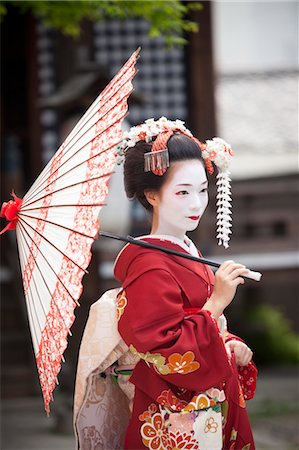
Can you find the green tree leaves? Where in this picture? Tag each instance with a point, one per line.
(166, 18)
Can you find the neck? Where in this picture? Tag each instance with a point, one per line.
(169, 231)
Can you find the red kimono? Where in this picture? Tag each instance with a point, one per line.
(188, 394)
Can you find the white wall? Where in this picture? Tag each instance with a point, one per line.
(255, 36)
(256, 43)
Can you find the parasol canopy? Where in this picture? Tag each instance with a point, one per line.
(57, 222)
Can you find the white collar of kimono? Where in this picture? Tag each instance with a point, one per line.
(186, 244)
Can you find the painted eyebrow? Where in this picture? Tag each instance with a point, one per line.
(186, 184)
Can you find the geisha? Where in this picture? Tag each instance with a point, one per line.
(158, 368)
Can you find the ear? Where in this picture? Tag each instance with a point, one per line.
(152, 197)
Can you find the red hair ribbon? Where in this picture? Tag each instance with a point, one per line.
(208, 162)
(158, 162)
(9, 211)
(161, 141)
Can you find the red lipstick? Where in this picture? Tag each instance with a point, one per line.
(194, 217)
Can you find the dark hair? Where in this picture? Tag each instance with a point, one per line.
(180, 148)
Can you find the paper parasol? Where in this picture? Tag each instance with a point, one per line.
(57, 222)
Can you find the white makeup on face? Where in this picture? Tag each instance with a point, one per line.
(182, 199)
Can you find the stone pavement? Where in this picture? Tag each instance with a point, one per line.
(25, 426)
(274, 411)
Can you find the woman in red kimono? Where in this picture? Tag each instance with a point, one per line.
(193, 376)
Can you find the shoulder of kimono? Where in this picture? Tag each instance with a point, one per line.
(133, 261)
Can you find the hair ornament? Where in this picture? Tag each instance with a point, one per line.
(215, 151)
(220, 153)
(148, 130)
(156, 161)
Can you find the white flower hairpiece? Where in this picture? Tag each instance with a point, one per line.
(215, 150)
(146, 132)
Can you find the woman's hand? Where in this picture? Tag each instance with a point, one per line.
(242, 352)
(227, 279)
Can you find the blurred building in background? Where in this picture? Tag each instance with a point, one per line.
(240, 72)
(256, 66)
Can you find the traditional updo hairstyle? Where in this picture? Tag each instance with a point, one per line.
(137, 181)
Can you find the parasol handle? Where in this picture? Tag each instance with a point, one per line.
(256, 276)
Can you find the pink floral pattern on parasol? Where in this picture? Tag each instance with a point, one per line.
(57, 222)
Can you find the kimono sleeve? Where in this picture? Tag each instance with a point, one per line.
(247, 374)
(186, 351)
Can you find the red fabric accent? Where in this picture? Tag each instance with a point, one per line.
(248, 379)
(190, 311)
(9, 211)
(161, 141)
(209, 166)
(247, 374)
(208, 162)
